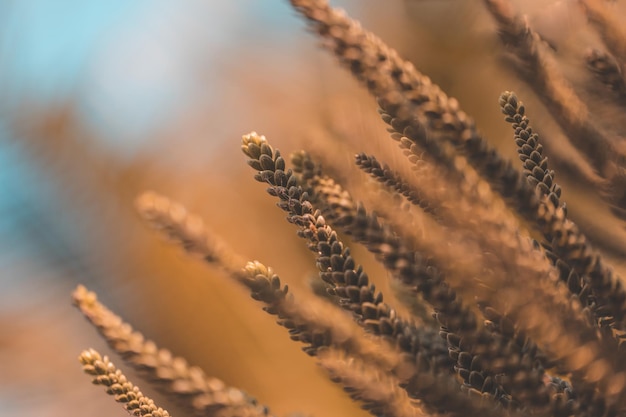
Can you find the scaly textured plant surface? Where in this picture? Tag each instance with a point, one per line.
(529, 318)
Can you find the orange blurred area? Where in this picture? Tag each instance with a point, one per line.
(158, 100)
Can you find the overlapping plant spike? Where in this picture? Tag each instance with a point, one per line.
(116, 384)
(522, 327)
(602, 148)
(197, 393)
(596, 291)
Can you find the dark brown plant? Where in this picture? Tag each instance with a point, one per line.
(529, 317)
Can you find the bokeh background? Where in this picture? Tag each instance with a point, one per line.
(100, 101)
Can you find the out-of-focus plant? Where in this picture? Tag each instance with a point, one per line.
(524, 315)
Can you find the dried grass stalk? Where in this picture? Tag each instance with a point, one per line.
(198, 393)
(105, 373)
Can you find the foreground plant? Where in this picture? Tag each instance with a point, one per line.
(522, 326)
(116, 384)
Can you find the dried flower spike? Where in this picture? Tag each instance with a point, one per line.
(116, 384)
(188, 385)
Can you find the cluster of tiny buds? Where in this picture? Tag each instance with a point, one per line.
(105, 373)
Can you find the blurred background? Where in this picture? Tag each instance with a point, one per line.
(100, 101)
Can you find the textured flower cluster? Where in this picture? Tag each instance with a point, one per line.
(518, 313)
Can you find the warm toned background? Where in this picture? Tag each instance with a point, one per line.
(101, 100)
